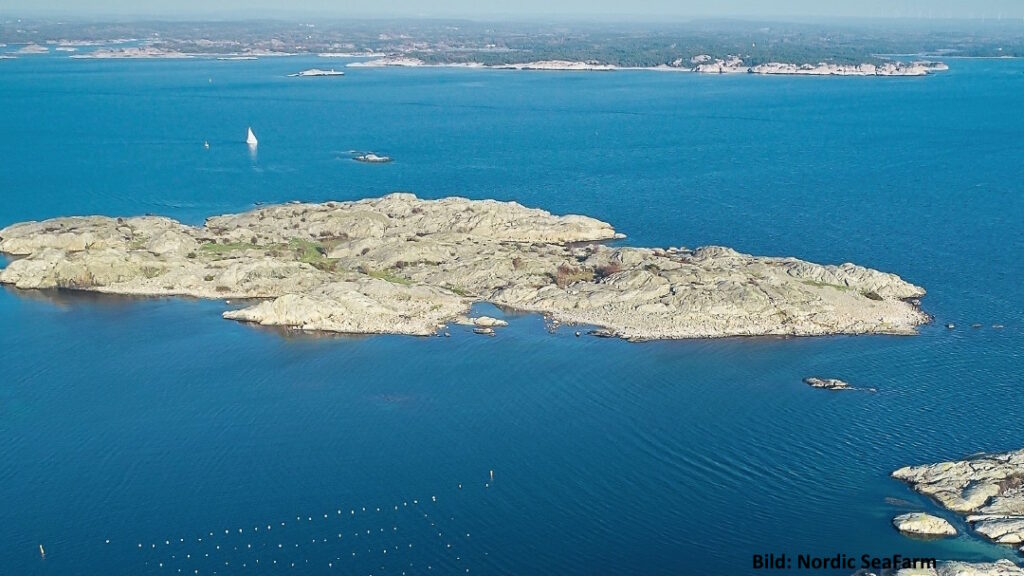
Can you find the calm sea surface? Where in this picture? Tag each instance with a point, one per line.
(150, 436)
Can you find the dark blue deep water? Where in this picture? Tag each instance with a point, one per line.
(192, 443)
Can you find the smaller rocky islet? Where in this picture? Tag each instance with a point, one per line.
(998, 568)
(987, 490)
(923, 524)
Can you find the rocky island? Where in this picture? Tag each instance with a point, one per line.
(833, 384)
(131, 53)
(827, 383)
(988, 490)
(702, 63)
(403, 265)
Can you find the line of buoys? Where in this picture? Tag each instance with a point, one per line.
(450, 539)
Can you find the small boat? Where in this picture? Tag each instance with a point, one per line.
(317, 72)
(372, 158)
(251, 139)
(206, 144)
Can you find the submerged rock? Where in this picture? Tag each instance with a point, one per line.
(988, 490)
(922, 524)
(399, 264)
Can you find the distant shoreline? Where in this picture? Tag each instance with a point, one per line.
(702, 64)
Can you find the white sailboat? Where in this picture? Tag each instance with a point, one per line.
(251, 139)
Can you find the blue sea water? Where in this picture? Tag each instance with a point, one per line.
(150, 436)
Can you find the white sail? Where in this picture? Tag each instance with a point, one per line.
(251, 139)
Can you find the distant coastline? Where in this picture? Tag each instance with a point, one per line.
(511, 53)
(703, 64)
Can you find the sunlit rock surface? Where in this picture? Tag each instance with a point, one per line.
(988, 490)
(399, 264)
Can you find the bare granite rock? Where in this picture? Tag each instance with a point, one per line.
(399, 264)
(987, 490)
(833, 384)
(488, 322)
(998, 568)
(827, 383)
(922, 524)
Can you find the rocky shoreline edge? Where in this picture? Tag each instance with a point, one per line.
(986, 490)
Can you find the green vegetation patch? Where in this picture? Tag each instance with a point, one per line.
(460, 291)
(221, 249)
(312, 253)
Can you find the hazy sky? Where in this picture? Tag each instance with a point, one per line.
(525, 8)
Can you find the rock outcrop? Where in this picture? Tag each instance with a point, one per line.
(999, 568)
(827, 383)
(922, 524)
(833, 384)
(987, 490)
(399, 264)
